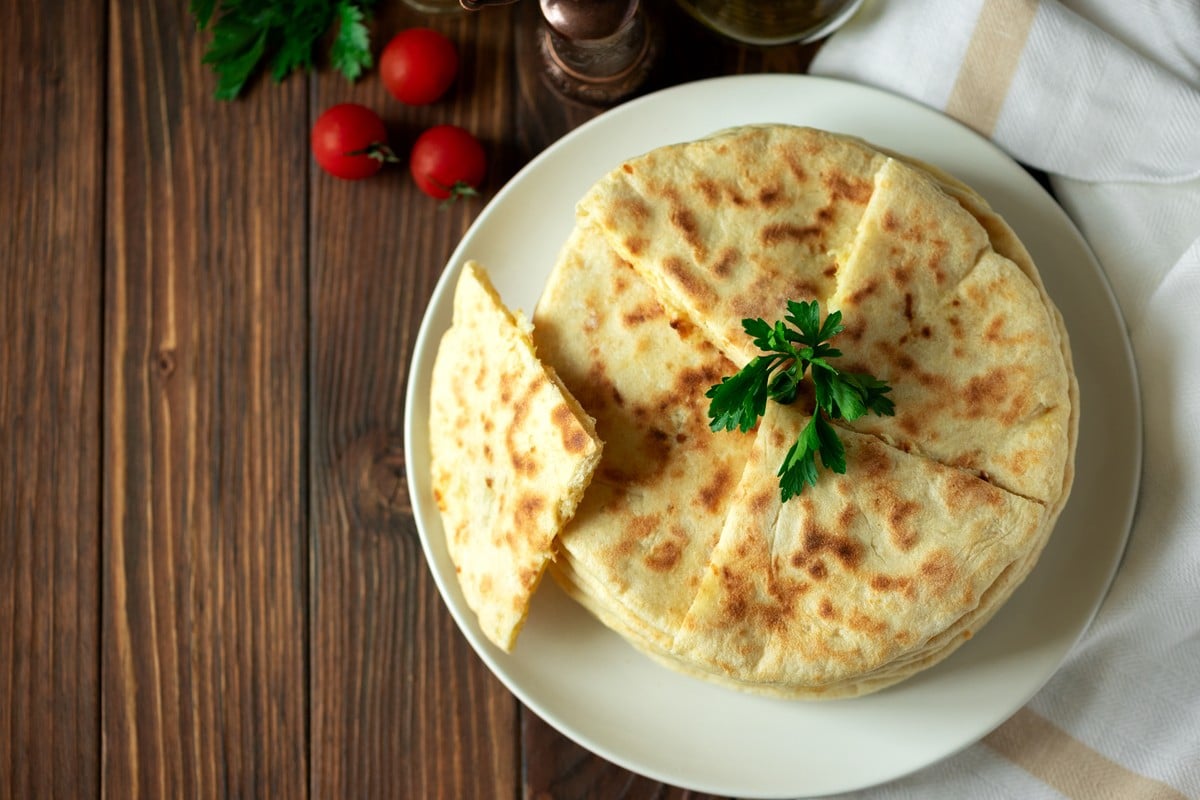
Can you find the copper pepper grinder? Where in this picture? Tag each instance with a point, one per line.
(596, 51)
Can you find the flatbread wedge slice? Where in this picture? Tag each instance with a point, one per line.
(858, 573)
(511, 454)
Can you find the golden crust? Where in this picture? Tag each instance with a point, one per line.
(868, 577)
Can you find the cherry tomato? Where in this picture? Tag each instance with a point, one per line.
(349, 141)
(418, 65)
(447, 161)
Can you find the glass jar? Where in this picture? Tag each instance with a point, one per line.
(772, 22)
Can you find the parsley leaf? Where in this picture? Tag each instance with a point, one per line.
(351, 50)
(249, 35)
(738, 401)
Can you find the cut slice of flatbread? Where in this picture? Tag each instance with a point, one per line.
(731, 226)
(858, 572)
(511, 454)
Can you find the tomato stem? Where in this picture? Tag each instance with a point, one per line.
(378, 151)
(459, 189)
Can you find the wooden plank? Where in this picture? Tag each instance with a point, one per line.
(205, 564)
(51, 288)
(401, 706)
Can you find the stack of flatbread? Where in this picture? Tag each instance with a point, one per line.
(681, 542)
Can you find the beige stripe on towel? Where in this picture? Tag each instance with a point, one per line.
(1053, 756)
(990, 63)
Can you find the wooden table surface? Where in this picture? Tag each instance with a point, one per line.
(210, 577)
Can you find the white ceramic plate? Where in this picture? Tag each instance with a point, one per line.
(588, 683)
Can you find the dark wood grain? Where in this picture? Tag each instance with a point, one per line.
(51, 281)
(204, 588)
(401, 706)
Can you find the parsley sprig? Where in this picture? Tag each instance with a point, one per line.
(247, 33)
(793, 346)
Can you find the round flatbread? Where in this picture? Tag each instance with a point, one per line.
(868, 577)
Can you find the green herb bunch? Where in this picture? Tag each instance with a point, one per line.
(793, 347)
(246, 34)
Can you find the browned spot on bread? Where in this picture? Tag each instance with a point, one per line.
(736, 600)
(941, 249)
(683, 327)
(804, 288)
(886, 583)
(863, 292)
(825, 608)
(708, 190)
(665, 555)
(769, 196)
(506, 386)
(830, 271)
(855, 329)
(763, 501)
(938, 572)
(995, 329)
(642, 314)
(846, 549)
(485, 585)
(843, 187)
(908, 306)
(890, 223)
(777, 438)
(784, 592)
(965, 490)
(779, 232)
(522, 461)
(528, 507)
(872, 461)
(902, 275)
(682, 218)
(984, 393)
(528, 577)
(628, 168)
(574, 437)
(818, 570)
(692, 286)
(694, 381)
(1020, 461)
(910, 425)
(956, 329)
(846, 518)
(898, 514)
(794, 166)
(861, 622)
(723, 265)
(713, 493)
(640, 527)
(926, 332)
(633, 209)
(635, 244)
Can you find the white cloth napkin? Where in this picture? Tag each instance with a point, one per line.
(1103, 96)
